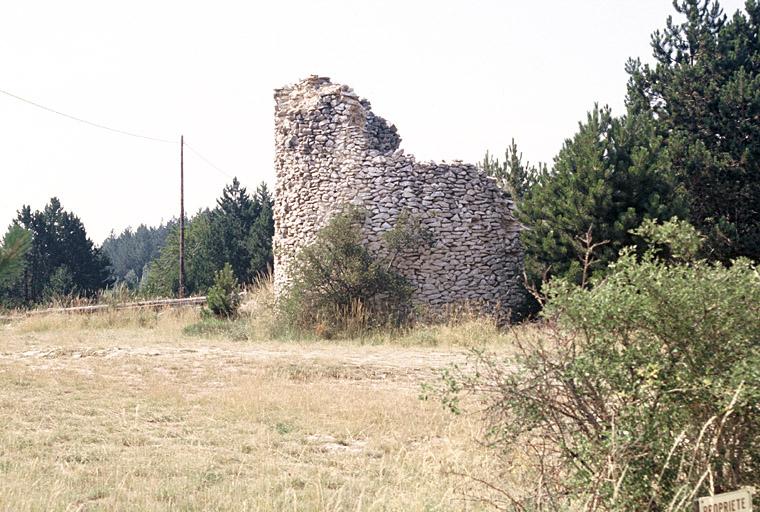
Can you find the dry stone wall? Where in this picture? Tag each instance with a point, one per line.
(331, 150)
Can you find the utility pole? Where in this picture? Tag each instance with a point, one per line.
(182, 217)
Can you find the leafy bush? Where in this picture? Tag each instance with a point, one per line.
(223, 297)
(646, 392)
(337, 285)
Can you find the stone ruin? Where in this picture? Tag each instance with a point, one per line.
(332, 150)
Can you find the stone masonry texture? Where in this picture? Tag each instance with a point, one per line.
(332, 150)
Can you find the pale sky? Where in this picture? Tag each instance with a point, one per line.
(455, 77)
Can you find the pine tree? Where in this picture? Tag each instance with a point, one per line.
(223, 296)
(262, 231)
(131, 250)
(59, 248)
(232, 220)
(161, 278)
(237, 231)
(609, 177)
(512, 175)
(704, 92)
(16, 244)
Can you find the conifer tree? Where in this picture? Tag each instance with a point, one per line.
(60, 251)
(609, 177)
(16, 244)
(262, 231)
(512, 175)
(704, 92)
(238, 231)
(231, 223)
(162, 275)
(132, 250)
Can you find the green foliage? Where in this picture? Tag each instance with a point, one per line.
(223, 297)
(259, 242)
(647, 393)
(606, 180)
(131, 280)
(231, 223)
(679, 238)
(704, 91)
(512, 175)
(238, 231)
(162, 277)
(60, 284)
(58, 241)
(16, 243)
(336, 281)
(132, 250)
(241, 229)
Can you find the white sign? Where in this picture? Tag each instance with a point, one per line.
(735, 501)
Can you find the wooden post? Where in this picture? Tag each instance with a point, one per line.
(182, 217)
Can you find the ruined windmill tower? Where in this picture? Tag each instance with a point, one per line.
(331, 150)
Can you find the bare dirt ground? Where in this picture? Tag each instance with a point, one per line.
(398, 366)
(105, 414)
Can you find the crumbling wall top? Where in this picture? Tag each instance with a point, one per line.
(309, 94)
(317, 94)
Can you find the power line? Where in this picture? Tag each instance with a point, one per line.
(116, 130)
(209, 162)
(96, 125)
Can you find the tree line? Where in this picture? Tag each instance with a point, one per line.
(46, 254)
(687, 146)
(237, 231)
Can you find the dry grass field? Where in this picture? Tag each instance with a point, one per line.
(125, 411)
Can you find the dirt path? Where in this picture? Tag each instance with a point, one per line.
(375, 363)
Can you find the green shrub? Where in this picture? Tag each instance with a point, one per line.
(646, 392)
(338, 286)
(223, 297)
